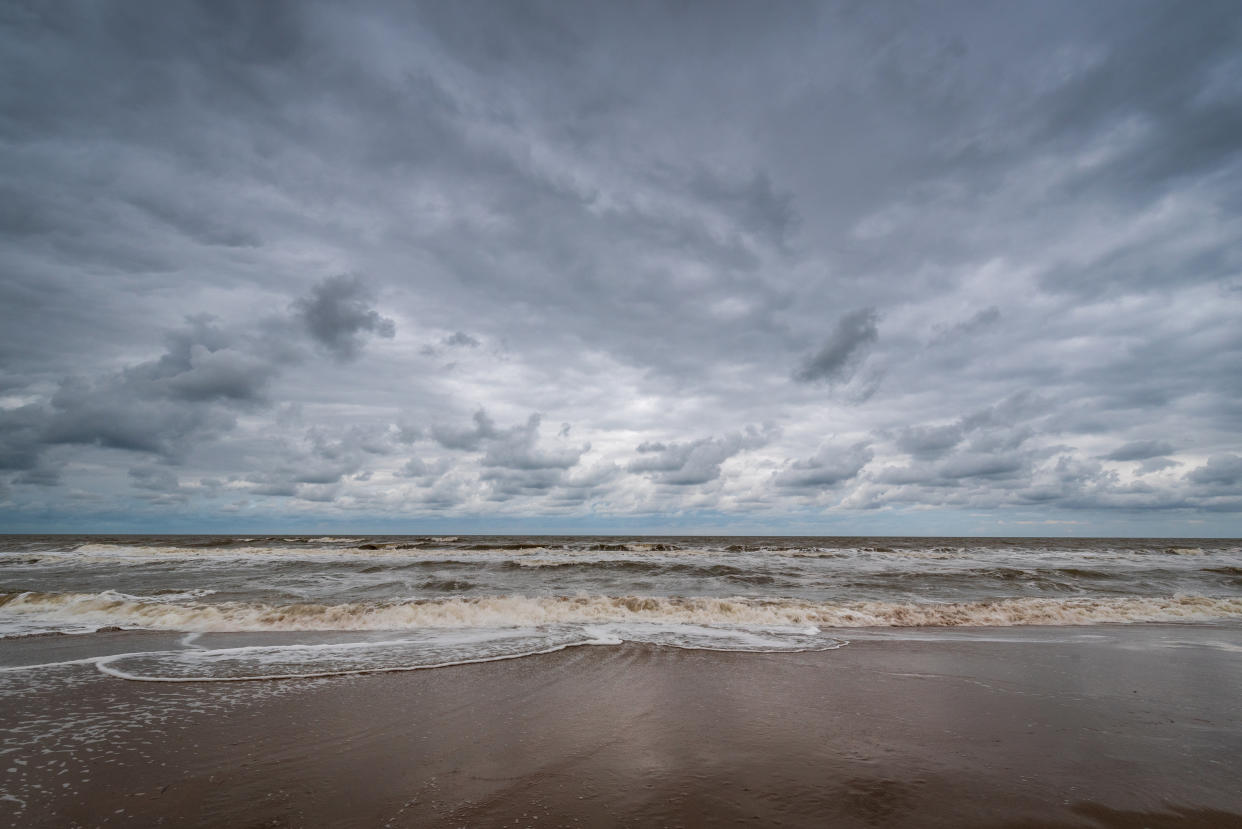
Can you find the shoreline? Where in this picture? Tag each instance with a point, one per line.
(1111, 726)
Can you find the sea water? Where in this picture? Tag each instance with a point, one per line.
(300, 606)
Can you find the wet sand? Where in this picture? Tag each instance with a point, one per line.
(1108, 726)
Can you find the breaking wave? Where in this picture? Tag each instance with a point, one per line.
(166, 613)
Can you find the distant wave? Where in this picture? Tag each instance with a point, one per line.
(862, 549)
(328, 548)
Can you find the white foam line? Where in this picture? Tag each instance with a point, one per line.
(102, 665)
(293, 647)
(837, 643)
(198, 649)
(90, 660)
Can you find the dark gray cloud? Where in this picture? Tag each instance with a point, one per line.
(158, 485)
(836, 359)
(982, 464)
(469, 438)
(697, 461)
(1224, 470)
(205, 363)
(168, 406)
(315, 465)
(515, 463)
(1040, 203)
(1138, 450)
(130, 413)
(929, 441)
(516, 448)
(1156, 465)
(826, 468)
(977, 322)
(756, 205)
(338, 316)
(20, 432)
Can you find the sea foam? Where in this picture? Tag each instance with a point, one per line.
(162, 613)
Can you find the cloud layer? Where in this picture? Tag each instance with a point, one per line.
(880, 269)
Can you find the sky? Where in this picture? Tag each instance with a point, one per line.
(886, 268)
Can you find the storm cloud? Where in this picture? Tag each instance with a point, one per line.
(694, 462)
(550, 265)
(852, 333)
(828, 467)
(338, 316)
(1140, 450)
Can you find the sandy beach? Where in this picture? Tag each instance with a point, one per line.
(1104, 726)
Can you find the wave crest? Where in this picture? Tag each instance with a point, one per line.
(110, 608)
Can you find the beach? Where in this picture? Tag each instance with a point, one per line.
(539, 413)
(1108, 725)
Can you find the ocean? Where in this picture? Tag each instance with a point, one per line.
(259, 607)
